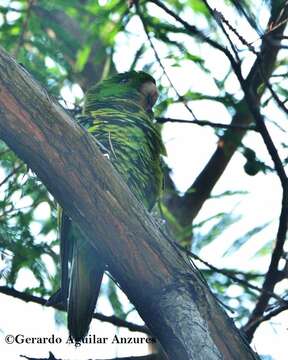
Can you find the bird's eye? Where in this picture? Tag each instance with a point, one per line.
(123, 81)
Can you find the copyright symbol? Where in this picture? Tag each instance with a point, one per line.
(9, 339)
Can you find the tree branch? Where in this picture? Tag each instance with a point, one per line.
(185, 208)
(256, 322)
(157, 57)
(231, 276)
(168, 292)
(248, 111)
(192, 29)
(272, 276)
(12, 173)
(280, 103)
(163, 120)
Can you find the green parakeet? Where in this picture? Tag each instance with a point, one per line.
(118, 112)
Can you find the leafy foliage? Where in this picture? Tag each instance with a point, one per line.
(24, 246)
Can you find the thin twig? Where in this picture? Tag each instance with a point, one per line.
(23, 28)
(231, 276)
(270, 315)
(280, 75)
(180, 97)
(162, 120)
(13, 210)
(280, 103)
(144, 357)
(39, 300)
(199, 34)
(275, 27)
(191, 28)
(13, 172)
(219, 17)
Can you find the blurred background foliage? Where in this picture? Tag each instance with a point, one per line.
(69, 45)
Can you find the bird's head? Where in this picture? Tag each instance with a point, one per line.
(139, 87)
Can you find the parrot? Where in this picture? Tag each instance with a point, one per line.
(118, 113)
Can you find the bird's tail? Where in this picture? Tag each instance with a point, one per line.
(86, 277)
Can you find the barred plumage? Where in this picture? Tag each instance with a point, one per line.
(118, 113)
(134, 146)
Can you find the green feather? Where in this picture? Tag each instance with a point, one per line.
(114, 114)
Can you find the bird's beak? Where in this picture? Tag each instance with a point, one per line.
(149, 90)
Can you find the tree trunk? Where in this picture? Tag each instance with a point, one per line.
(168, 292)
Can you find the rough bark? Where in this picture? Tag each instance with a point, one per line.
(168, 292)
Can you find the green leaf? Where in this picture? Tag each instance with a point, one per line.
(81, 58)
(225, 220)
(238, 243)
(114, 300)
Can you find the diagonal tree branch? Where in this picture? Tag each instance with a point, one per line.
(168, 292)
(255, 323)
(12, 173)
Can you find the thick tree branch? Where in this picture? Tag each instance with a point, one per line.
(168, 292)
(248, 111)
